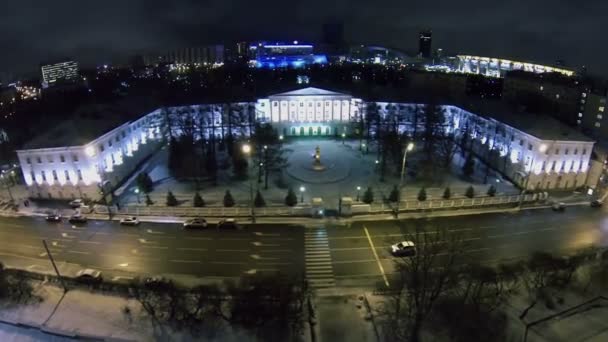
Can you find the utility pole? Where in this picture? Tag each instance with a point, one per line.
(48, 252)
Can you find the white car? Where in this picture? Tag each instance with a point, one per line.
(88, 275)
(403, 248)
(77, 203)
(195, 223)
(130, 221)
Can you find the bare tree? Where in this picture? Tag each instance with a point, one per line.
(424, 279)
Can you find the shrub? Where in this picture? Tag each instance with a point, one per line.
(291, 199)
(198, 200)
(422, 195)
(394, 195)
(470, 193)
(447, 193)
(171, 200)
(259, 200)
(491, 191)
(368, 196)
(228, 200)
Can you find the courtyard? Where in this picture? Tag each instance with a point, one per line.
(348, 168)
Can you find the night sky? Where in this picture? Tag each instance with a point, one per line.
(97, 32)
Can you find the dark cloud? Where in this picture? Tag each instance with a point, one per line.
(96, 32)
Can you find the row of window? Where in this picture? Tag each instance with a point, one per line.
(50, 159)
(327, 104)
(55, 177)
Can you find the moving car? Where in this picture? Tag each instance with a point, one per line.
(403, 248)
(88, 275)
(129, 221)
(76, 203)
(228, 223)
(558, 206)
(53, 217)
(596, 203)
(195, 223)
(78, 218)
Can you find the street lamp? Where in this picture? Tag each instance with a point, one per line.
(343, 137)
(281, 137)
(137, 192)
(408, 148)
(358, 192)
(247, 151)
(302, 189)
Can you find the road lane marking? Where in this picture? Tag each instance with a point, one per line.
(117, 278)
(150, 231)
(199, 238)
(186, 261)
(191, 249)
(227, 263)
(79, 252)
(232, 250)
(355, 261)
(371, 243)
(155, 247)
(91, 242)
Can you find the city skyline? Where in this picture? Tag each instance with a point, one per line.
(115, 31)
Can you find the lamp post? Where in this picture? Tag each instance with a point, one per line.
(358, 193)
(409, 147)
(137, 193)
(542, 149)
(302, 189)
(343, 138)
(247, 151)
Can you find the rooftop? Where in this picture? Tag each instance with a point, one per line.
(540, 126)
(88, 123)
(311, 91)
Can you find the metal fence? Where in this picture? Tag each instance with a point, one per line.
(213, 211)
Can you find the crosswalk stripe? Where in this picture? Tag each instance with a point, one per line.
(318, 262)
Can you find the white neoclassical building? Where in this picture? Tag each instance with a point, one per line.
(76, 158)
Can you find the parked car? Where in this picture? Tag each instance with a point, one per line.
(403, 248)
(76, 203)
(596, 203)
(78, 218)
(88, 275)
(558, 206)
(228, 223)
(129, 221)
(53, 217)
(195, 223)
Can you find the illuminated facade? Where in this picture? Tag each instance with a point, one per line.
(536, 154)
(497, 67)
(279, 55)
(59, 72)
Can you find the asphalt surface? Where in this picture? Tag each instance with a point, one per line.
(155, 248)
(487, 239)
(355, 255)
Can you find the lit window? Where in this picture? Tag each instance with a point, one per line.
(600, 116)
(557, 96)
(578, 122)
(584, 94)
(541, 88)
(580, 115)
(597, 124)
(601, 109)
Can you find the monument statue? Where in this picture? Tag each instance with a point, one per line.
(316, 164)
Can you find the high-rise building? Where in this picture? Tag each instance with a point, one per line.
(60, 72)
(424, 43)
(210, 54)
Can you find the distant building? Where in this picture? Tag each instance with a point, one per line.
(498, 67)
(204, 55)
(425, 39)
(283, 55)
(59, 73)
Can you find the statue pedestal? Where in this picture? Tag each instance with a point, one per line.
(317, 166)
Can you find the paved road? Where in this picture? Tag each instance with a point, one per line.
(491, 238)
(329, 256)
(155, 248)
